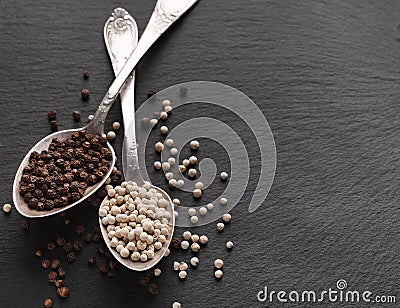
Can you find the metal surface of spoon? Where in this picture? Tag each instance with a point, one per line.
(166, 12)
(120, 35)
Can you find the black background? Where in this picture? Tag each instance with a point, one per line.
(324, 73)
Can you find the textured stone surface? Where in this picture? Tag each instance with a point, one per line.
(326, 76)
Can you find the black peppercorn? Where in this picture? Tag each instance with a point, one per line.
(76, 116)
(85, 75)
(63, 291)
(152, 289)
(144, 281)
(88, 237)
(48, 303)
(77, 246)
(60, 241)
(25, 225)
(50, 246)
(38, 253)
(61, 272)
(176, 242)
(54, 125)
(80, 230)
(68, 247)
(46, 263)
(85, 94)
(103, 267)
(151, 93)
(52, 115)
(71, 257)
(59, 283)
(92, 260)
(52, 276)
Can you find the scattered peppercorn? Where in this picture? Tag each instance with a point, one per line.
(92, 260)
(63, 291)
(96, 237)
(60, 241)
(67, 222)
(51, 246)
(54, 125)
(144, 281)
(59, 283)
(48, 303)
(25, 224)
(85, 75)
(76, 116)
(68, 247)
(103, 267)
(55, 264)
(176, 242)
(61, 272)
(85, 94)
(52, 115)
(52, 276)
(79, 230)
(38, 253)
(46, 263)
(88, 237)
(151, 93)
(78, 246)
(152, 289)
(71, 257)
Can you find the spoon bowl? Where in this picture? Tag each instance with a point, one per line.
(22, 207)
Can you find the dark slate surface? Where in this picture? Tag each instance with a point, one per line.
(325, 74)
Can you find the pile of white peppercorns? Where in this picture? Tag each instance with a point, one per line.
(137, 220)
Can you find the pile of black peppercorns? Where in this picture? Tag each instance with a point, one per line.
(60, 175)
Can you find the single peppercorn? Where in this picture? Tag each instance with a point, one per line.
(78, 245)
(60, 241)
(144, 281)
(59, 283)
(92, 260)
(25, 225)
(103, 267)
(48, 303)
(52, 276)
(51, 115)
(152, 289)
(55, 264)
(85, 94)
(63, 292)
(71, 257)
(76, 116)
(51, 246)
(46, 263)
(151, 93)
(88, 237)
(176, 242)
(68, 247)
(85, 75)
(54, 125)
(38, 253)
(67, 222)
(61, 272)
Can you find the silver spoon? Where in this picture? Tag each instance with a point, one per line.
(120, 35)
(165, 14)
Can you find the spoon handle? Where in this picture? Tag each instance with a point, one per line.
(165, 13)
(121, 38)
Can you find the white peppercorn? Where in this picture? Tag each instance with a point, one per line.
(168, 109)
(167, 252)
(166, 103)
(192, 212)
(194, 261)
(229, 245)
(7, 208)
(195, 247)
(173, 151)
(157, 165)
(184, 245)
(194, 144)
(176, 305)
(197, 193)
(173, 183)
(169, 142)
(199, 185)
(169, 176)
(226, 217)
(182, 274)
(203, 239)
(203, 210)
(183, 266)
(157, 272)
(180, 183)
(176, 201)
(194, 219)
(163, 115)
(185, 162)
(116, 125)
(192, 173)
(187, 235)
(210, 206)
(159, 146)
(153, 122)
(176, 265)
(192, 160)
(224, 176)
(171, 161)
(218, 263)
(218, 274)
(195, 238)
(166, 166)
(182, 168)
(164, 130)
(223, 201)
(111, 135)
(220, 226)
